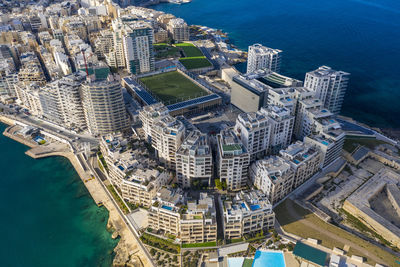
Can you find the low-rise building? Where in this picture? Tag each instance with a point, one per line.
(192, 221)
(247, 214)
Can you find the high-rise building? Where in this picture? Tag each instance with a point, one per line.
(166, 136)
(304, 159)
(329, 85)
(178, 29)
(247, 213)
(282, 123)
(138, 45)
(261, 57)
(194, 161)
(232, 160)
(62, 102)
(104, 107)
(254, 130)
(273, 176)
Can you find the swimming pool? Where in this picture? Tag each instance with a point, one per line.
(235, 262)
(268, 259)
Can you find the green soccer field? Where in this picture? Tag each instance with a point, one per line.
(172, 87)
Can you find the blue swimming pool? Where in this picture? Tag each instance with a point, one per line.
(166, 207)
(268, 259)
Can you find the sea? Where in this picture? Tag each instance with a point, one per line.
(357, 36)
(48, 217)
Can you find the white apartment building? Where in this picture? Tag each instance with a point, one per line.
(288, 97)
(166, 136)
(304, 159)
(130, 169)
(104, 106)
(247, 214)
(194, 161)
(273, 176)
(329, 86)
(141, 186)
(61, 101)
(178, 29)
(254, 130)
(261, 57)
(164, 212)
(232, 160)
(313, 118)
(282, 123)
(148, 115)
(330, 143)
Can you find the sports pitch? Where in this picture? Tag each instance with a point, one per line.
(172, 87)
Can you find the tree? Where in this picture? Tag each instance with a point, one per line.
(224, 185)
(218, 184)
(153, 252)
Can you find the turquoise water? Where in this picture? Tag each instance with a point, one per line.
(358, 36)
(268, 259)
(47, 215)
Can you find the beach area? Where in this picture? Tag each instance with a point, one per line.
(128, 252)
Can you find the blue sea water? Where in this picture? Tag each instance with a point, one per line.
(48, 217)
(358, 36)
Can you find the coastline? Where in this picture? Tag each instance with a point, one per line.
(127, 251)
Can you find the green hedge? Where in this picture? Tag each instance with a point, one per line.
(200, 245)
(160, 243)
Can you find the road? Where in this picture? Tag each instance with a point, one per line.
(49, 127)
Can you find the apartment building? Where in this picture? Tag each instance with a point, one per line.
(247, 213)
(193, 221)
(329, 86)
(164, 213)
(198, 223)
(282, 123)
(288, 97)
(254, 130)
(273, 176)
(62, 103)
(330, 143)
(138, 45)
(232, 160)
(149, 115)
(104, 106)
(178, 29)
(131, 170)
(304, 159)
(260, 57)
(167, 135)
(194, 161)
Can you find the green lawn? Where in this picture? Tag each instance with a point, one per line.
(292, 225)
(172, 87)
(247, 263)
(199, 245)
(195, 62)
(190, 50)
